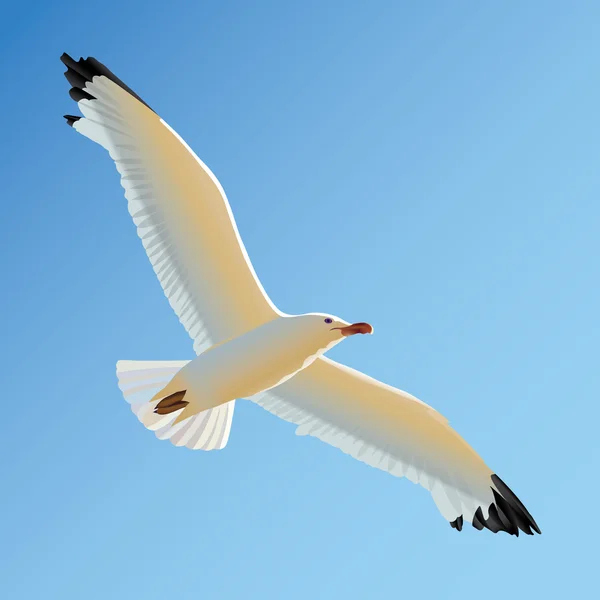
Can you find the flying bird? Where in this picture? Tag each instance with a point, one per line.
(246, 347)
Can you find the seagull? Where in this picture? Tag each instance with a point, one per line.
(246, 348)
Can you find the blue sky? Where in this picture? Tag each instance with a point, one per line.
(428, 167)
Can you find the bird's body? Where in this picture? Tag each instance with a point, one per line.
(246, 347)
(251, 363)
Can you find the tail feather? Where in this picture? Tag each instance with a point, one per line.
(141, 381)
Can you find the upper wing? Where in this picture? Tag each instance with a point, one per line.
(180, 209)
(394, 431)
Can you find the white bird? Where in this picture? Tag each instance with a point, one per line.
(246, 348)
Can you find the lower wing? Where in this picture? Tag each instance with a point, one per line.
(395, 432)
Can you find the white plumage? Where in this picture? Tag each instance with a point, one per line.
(246, 347)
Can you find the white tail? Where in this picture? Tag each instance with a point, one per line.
(141, 380)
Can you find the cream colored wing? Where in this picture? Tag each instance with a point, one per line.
(180, 209)
(395, 432)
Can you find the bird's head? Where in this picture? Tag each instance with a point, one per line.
(324, 331)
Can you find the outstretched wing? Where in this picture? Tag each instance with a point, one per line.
(180, 209)
(395, 432)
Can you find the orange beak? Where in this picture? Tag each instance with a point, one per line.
(355, 328)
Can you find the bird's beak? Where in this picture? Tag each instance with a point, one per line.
(355, 328)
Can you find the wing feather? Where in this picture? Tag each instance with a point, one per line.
(178, 206)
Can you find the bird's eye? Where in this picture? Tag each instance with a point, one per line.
(328, 320)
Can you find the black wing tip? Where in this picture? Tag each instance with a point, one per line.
(515, 504)
(79, 72)
(507, 513)
(71, 119)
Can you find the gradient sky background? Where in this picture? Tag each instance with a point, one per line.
(431, 167)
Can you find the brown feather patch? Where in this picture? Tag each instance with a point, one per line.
(171, 404)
